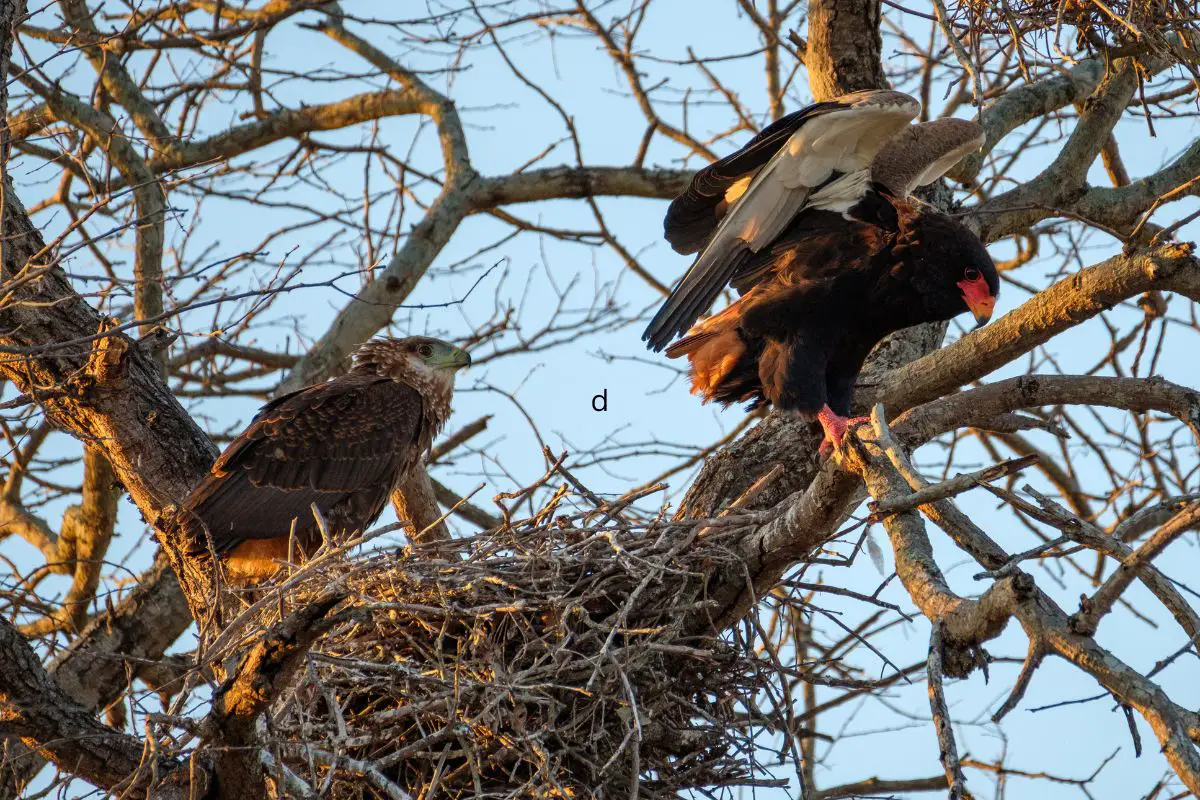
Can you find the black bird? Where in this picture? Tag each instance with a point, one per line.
(812, 223)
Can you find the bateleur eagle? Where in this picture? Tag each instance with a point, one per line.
(342, 445)
(812, 223)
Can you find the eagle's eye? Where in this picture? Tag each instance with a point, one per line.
(971, 274)
(425, 351)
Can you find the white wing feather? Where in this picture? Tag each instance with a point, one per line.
(844, 140)
(840, 141)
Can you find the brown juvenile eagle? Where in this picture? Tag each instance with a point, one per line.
(812, 223)
(342, 445)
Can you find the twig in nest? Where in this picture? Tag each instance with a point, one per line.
(561, 469)
(747, 497)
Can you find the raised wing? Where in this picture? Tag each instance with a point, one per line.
(694, 215)
(841, 136)
(923, 153)
(322, 445)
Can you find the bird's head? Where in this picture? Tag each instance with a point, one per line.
(953, 271)
(419, 358)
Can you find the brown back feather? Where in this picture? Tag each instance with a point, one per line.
(342, 445)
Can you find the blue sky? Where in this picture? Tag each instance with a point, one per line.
(647, 403)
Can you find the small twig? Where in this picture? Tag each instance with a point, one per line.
(838, 590)
(295, 785)
(861, 640)
(460, 436)
(948, 488)
(1166, 662)
(1133, 731)
(468, 511)
(1165, 197)
(799, 43)
(964, 59)
(635, 766)
(948, 750)
(747, 497)
(561, 469)
(1010, 566)
(1033, 660)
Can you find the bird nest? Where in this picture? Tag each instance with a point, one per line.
(1138, 28)
(558, 656)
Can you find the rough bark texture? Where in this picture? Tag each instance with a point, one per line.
(93, 669)
(263, 673)
(104, 391)
(93, 383)
(35, 708)
(844, 47)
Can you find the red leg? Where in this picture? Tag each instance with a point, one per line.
(835, 427)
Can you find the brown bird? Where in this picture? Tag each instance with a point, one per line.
(342, 446)
(812, 223)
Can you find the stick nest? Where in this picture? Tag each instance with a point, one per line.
(554, 657)
(1138, 28)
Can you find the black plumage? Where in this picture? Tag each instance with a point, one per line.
(852, 260)
(814, 158)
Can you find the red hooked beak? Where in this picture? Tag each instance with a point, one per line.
(979, 299)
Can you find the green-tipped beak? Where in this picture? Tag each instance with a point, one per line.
(456, 358)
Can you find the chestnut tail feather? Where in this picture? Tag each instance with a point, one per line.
(723, 368)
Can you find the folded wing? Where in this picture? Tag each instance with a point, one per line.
(340, 445)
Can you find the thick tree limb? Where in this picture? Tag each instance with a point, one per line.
(1049, 631)
(416, 500)
(809, 518)
(113, 75)
(33, 707)
(263, 673)
(576, 182)
(1134, 564)
(844, 47)
(111, 394)
(1064, 305)
(964, 624)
